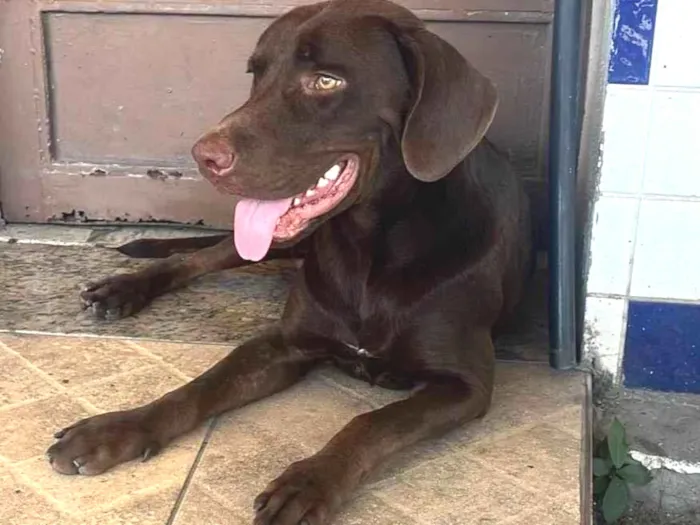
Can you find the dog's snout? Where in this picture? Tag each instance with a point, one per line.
(215, 154)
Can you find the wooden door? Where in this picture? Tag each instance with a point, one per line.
(100, 101)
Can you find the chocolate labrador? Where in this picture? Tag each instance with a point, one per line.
(362, 150)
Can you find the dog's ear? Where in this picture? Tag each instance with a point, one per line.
(452, 106)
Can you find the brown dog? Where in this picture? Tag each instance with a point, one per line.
(361, 147)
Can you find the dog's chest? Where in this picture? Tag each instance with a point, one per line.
(362, 364)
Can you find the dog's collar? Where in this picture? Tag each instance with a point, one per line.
(359, 351)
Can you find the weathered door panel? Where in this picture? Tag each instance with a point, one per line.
(101, 101)
(138, 88)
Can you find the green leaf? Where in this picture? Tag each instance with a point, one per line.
(617, 444)
(629, 460)
(636, 474)
(601, 467)
(615, 500)
(600, 485)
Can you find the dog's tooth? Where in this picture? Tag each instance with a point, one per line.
(322, 183)
(310, 193)
(332, 173)
(296, 202)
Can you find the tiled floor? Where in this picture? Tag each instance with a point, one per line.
(519, 465)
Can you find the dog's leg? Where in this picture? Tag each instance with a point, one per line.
(256, 369)
(119, 296)
(310, 491)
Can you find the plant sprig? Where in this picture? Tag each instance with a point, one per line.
(613, 471)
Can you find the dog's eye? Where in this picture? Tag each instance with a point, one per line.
(326, 83)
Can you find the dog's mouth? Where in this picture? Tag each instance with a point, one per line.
(258, 222)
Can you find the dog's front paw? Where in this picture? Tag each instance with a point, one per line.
(309, 492)
(116, 296)
(98, 443)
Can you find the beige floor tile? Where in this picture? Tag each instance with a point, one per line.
(457, 491)
(136, 492)
(370, 510)
(190, 359)
(253, 446)
(130, 389)
(20, 505)
(526, 393)
(491, 470)
(569, 502)
(201, 506)
(544, 458)
(240, 460)
(509, 413)
(19, 383)
(224, 490)
(569, 420)
(309, 413)
(26, 430)
(151, 507)
(374, 395)
(77, 360)
(551, 514)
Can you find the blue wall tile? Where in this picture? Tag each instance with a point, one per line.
(633, 36)
(662, 347)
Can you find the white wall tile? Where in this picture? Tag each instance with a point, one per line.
(673, 150)
(668, 251)
(675, 53)
(605, 321)
(625, 127)
(614, 222)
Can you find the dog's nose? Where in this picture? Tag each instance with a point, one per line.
(215, 154)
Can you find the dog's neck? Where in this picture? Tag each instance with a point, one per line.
(396, 192)
(454, 213)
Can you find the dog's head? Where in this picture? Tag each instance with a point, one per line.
(335, 85)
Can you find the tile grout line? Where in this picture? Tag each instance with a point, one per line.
(503, 474)
(190, 474)
(466, 448)
(159, 360)
(458, 450)
(349, 392)
(401, 508)
(221, 500)
(50, 380)
(37, 489)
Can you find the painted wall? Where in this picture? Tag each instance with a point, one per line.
(642, 318)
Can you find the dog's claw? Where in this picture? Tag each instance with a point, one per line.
(260, 502)
(149, 453)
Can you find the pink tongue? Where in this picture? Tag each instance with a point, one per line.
(254, 224)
